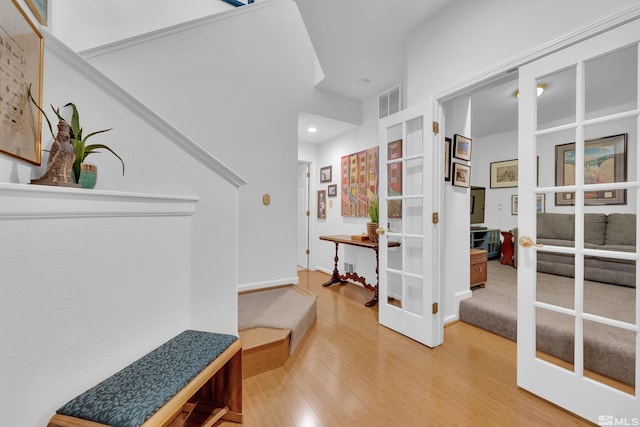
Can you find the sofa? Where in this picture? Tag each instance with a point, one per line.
(614, 232)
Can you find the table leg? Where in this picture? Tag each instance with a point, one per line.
(374, 300)
(335, 277)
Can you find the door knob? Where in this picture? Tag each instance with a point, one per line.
(380, 231)
(526, 242)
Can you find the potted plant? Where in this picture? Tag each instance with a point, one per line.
(80, 170)
(373, 208)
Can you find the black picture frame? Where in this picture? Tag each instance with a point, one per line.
(447, 159)
(461, 147)
(325, 174)
(461, 175)
(332, 190)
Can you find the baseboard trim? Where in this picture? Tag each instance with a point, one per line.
(458, 296)
(267, 284)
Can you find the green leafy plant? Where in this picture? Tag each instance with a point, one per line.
(75, 133)
(374, 208)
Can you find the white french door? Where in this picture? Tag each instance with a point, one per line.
(583, 131)
(407, 272)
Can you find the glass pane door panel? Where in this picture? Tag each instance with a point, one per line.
(414, 137)
(611, 83)
(555, 334)
(413, 216)
(606, 288)
(394, 257)
(394, 289)
(555, 168)
(609, 355)
(413, 253)
(556, 104)
(413, 176)
(414, 295)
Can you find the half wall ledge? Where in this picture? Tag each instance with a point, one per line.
(24, 201)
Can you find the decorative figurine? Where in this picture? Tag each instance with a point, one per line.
(61, 158)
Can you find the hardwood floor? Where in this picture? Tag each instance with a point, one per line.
(350, 371)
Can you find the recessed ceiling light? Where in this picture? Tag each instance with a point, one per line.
(312, 130)
(541, 88)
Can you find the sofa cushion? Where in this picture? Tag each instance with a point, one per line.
(555, 226)
(621, 229)
(595, 226)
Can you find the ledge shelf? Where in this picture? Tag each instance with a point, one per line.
(24, 201)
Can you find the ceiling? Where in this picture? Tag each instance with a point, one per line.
(358, 40)
(361, 47)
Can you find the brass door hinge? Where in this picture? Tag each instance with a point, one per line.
(434, 308)
(435, 218)
(436, 127)
(307, 251)
(308, 174)
(308, 213)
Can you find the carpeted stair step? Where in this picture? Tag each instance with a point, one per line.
(263, 349)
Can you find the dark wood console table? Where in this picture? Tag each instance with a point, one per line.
(336, 277)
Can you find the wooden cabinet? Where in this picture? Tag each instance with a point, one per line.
(478, 271)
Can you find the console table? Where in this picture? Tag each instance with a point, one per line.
(336, 277)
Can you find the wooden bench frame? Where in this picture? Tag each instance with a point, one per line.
(219, 385)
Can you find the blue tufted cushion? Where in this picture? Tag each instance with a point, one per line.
(133, 395)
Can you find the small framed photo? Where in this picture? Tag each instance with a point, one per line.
(325, 174)
(39, 9)
(540, 200)
(514, 204)
(447, 159)
(461, 175)
(332, 190)
(461, 147)
(322, 204)
(504, 174)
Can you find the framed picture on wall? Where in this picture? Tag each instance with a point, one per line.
(504, 174)
(322, 204)
(21, 55)
(447, 159)
(39, 9)
(605, 161)
(461, 147)
(325, 174)
(540, 200)
(461, 175)
(332, 190)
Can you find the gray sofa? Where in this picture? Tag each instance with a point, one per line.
(614, 232)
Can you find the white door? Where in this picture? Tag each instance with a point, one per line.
(303, 215)
(583, 130)
(408, 290)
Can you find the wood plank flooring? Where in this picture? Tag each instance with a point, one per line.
(350, 371)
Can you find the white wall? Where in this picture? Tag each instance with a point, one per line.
(81, 297)
(237, 90)
(329, 153)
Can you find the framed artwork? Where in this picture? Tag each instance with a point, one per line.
(461, 147)
(39, 9)
(332, 190)
(325, 174)
(358, 182)
(394, 178)
(322, 204)
(605, 161)
(21, 50)
(461, 175)
(447, 159)
(540, 200)
(504, 174)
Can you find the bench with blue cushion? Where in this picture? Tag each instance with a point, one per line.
(171, 384)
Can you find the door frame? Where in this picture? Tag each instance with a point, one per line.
(499, 71)
(308, 205)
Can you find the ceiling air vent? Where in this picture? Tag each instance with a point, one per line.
(389, 102)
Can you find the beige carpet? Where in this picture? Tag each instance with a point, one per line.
(607, 350)
(279, 308)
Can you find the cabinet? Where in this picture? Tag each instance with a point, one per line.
(487, 239)
(478, 270)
